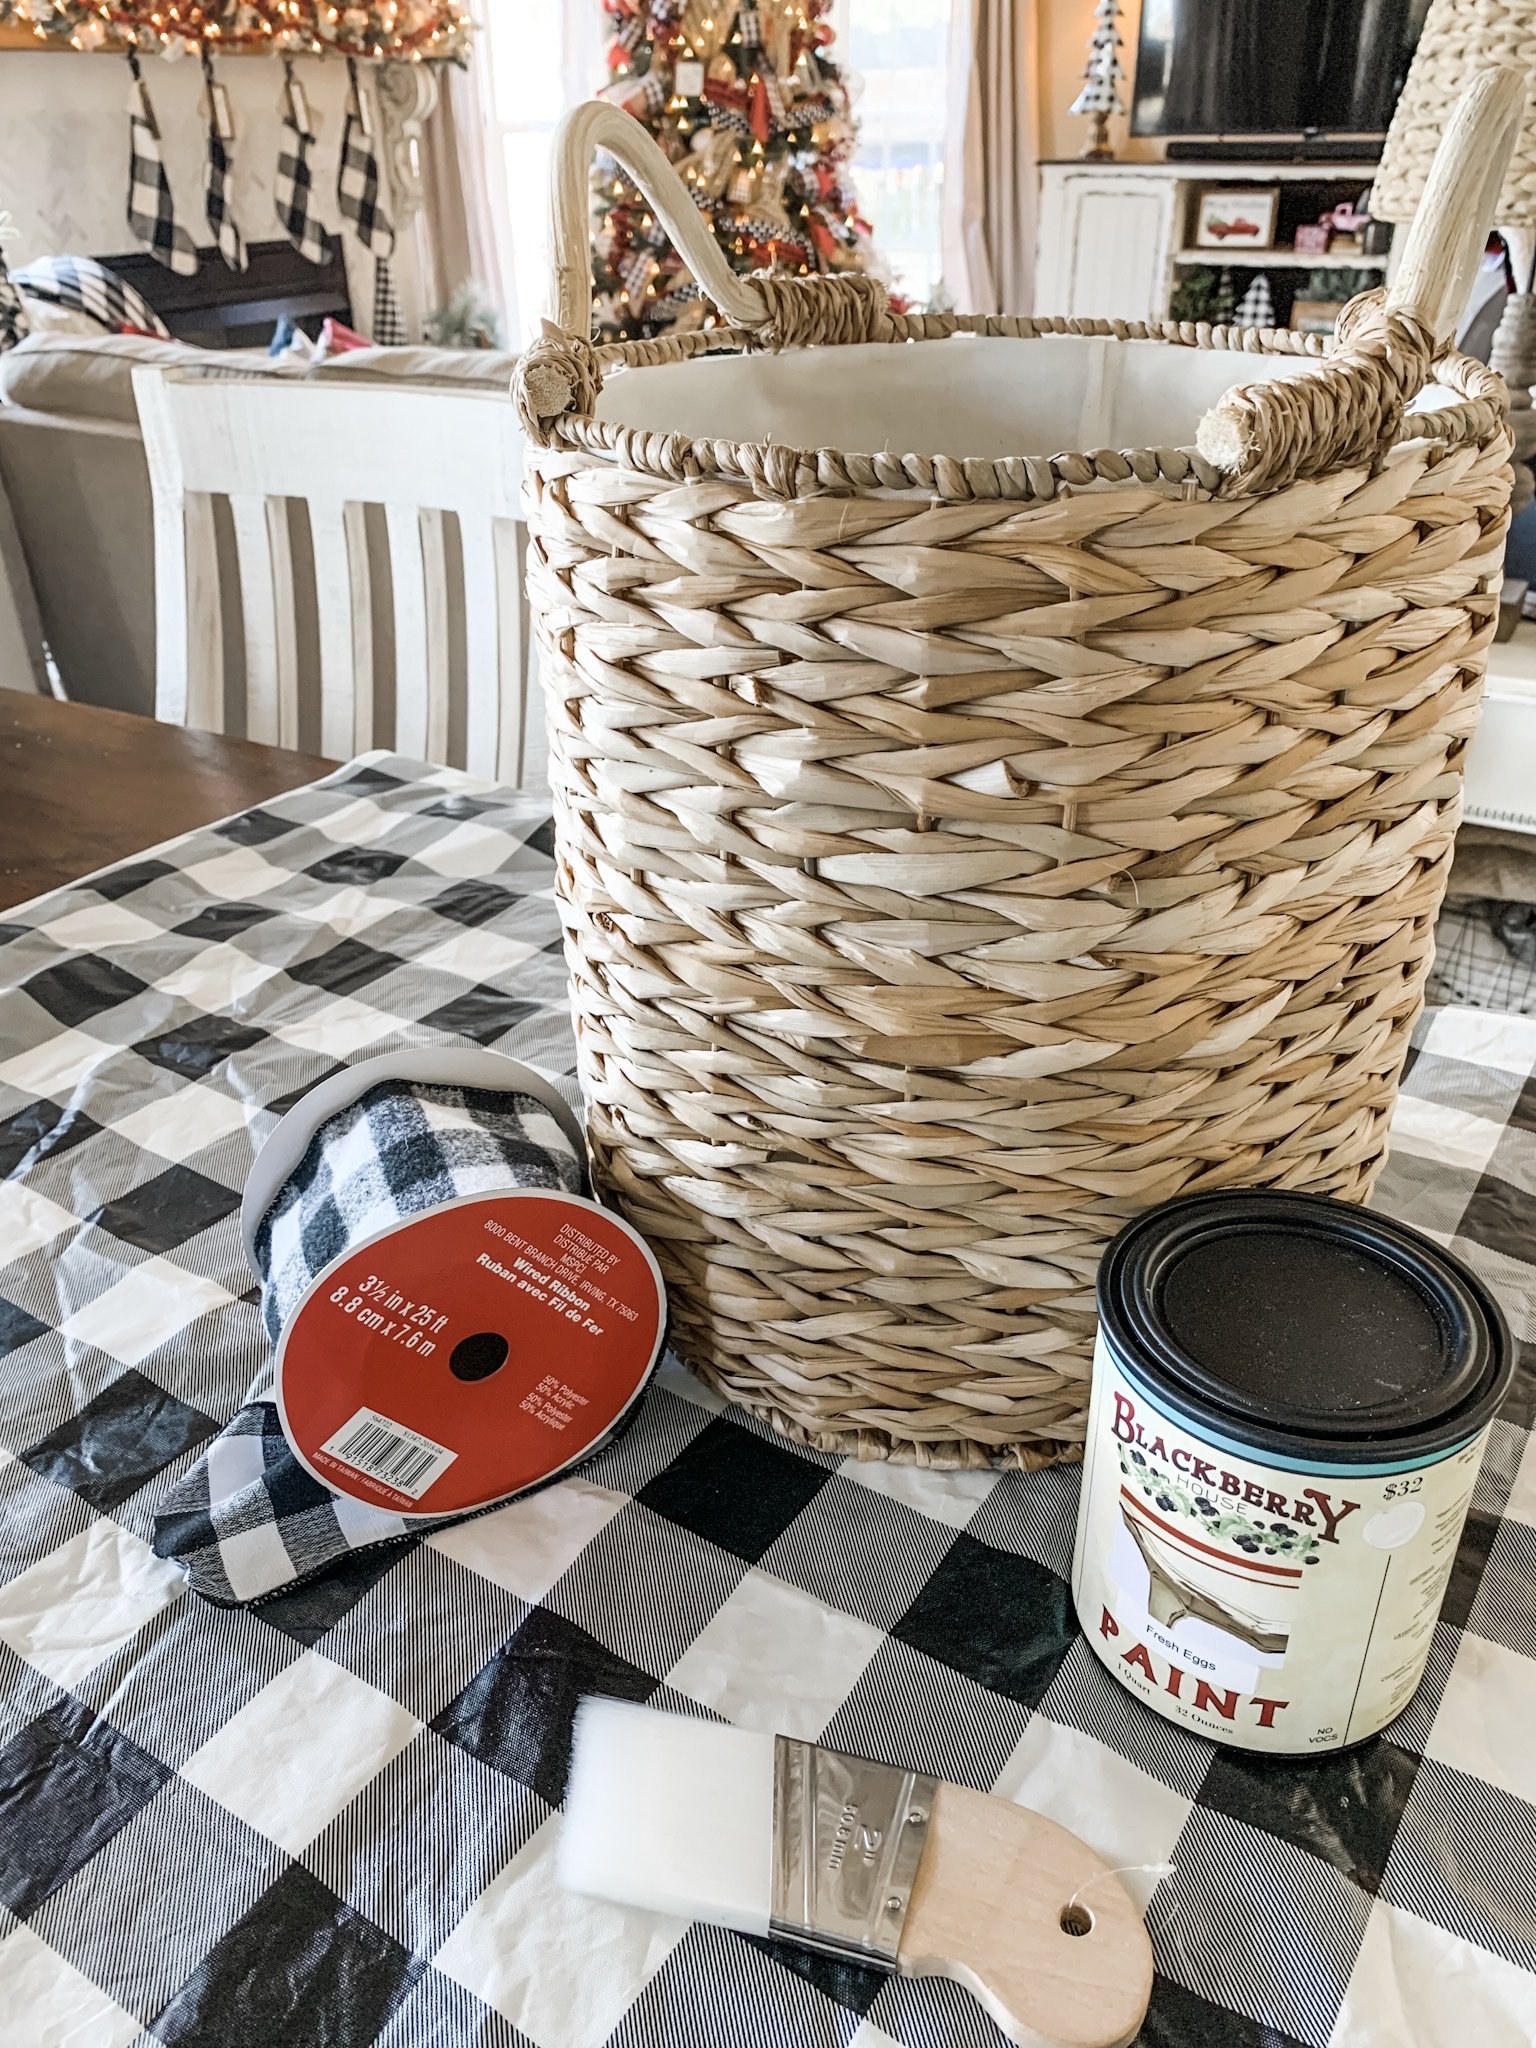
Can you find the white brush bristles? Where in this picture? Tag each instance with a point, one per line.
(670, 1813)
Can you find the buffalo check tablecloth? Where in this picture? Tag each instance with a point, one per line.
(332, 1820)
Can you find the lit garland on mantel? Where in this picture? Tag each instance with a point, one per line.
(380, 31)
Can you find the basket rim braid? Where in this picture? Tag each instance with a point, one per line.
(774, 470)
(956, 855)
(1352, 408)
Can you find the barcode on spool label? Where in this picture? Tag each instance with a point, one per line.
(389, 1452)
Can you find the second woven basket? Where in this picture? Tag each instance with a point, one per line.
(959, 849)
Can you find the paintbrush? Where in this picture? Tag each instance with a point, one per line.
(863, 1861)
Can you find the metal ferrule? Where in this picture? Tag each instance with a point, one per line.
(847, 1840)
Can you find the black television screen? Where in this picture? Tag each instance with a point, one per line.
(1272, 67)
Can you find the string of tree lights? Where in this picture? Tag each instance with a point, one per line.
(749, 103)
(410, 31)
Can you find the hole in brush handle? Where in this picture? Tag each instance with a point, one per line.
(1076, 1919)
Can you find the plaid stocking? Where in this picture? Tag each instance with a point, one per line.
(151, 214)
(359, 194)
(219, 189)
(357, 178)
(294, 187)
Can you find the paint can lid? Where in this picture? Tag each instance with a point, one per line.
(1305, 1326)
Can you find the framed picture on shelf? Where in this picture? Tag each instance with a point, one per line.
(1236, 219)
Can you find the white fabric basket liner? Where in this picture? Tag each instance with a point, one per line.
(965, 396)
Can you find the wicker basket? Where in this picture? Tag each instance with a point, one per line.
(957, 851)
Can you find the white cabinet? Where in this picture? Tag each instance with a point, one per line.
(1111, 235)
(1106, 241)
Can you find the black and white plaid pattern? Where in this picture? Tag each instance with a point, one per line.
(388, 321)
(333, 1818)
(293, 188)
(731, 120)
(151, 210)
(359, 195)
(1485, 955)
(13, 314)
(636, 268)
(400, 1149)
(218, 191)
(248, 1520)
(1256, 308)
(670, 304)
(88, 287)
(654, 94)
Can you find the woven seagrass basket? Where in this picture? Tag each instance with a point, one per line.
(962, 848)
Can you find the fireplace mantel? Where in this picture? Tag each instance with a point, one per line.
(64, 154)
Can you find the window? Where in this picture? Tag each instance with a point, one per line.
(541, 58)
(544, 56)
(899, 49)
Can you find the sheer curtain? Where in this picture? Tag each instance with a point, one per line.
(489, 148)
(991, 156)
(896, 52)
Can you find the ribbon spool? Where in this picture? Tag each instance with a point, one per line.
(454, 1322)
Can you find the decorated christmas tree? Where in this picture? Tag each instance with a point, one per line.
(749, 104)
(1102, 74)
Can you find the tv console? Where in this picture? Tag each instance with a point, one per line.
(1287, 149)
(1114, 237)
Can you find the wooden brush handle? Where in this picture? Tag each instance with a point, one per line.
(987, 1909)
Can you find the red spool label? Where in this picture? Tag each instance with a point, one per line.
(470, 1353)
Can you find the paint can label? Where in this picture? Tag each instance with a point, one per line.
(471, 1352)
(1266, 1605)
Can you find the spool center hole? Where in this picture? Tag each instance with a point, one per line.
(1076, 1919)
(477, 1357)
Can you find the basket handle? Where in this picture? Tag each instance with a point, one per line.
(1453, 218)
(595, 125)
(1340, 413)
(559, 372)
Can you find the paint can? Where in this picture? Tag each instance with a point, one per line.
(1291, 1397)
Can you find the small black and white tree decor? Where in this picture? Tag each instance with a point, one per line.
(1256, 308)
(1100, 96)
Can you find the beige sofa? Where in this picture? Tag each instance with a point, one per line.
(72, 467)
